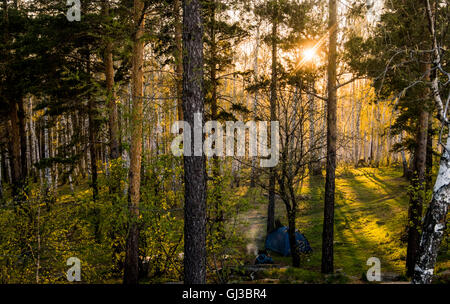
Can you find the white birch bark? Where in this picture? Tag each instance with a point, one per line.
(8, 167)
(357, 130)
(28, 136)
(48, 177)
(55, 136)
(66, 142)
(35, 142)
(38, 236)
(434, 223)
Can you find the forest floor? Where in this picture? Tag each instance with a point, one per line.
(370, 217)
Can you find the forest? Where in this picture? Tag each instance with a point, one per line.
(224, 141)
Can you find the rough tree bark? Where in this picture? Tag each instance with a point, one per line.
(14, 148)
(14, 125)
(110, 94)
(23, 138)
(418, 177)
(417, 195)
(30, 140)
(418, 180)
(92, 137)
(255, 101)
(328, 219)
(131, 270)
(179, 57)
(273, 116)
(194, 166)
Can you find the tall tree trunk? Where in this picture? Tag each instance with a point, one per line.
(314, 164)
(14, 149)
(418, 180)
(46, 144)
(434, 223)
(292, 239)
(54, 152)
(30, 143)
(406, 171)
(23, 137)
(131, 271)
(4, 165)
(179, 57)
(389, 140)
(429, 170)
(328, 218)
(417, 195)
(92, 137)
(379, 139)
(66, 133)
(357, 131)
(273, 116)
(371, 138)
(194, 166)
(364, 146)
(236, 162)
(110, 95)
(255, 101)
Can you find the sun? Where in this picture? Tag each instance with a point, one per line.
(308, 54)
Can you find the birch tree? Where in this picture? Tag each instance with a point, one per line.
(434, 223)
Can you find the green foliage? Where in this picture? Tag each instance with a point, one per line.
(95, 232)
(161, 217)
(46, 232)
(394, 56)
(223, 239)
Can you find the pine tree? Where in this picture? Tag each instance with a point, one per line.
(401, 32)
(194, 166)
(131, 271)
(328, 216)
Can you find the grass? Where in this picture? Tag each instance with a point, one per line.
(370, 217)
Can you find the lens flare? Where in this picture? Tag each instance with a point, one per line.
(309, 54)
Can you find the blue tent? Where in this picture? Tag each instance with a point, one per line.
(278, 241)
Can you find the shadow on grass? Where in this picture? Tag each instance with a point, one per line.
(363, 221)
